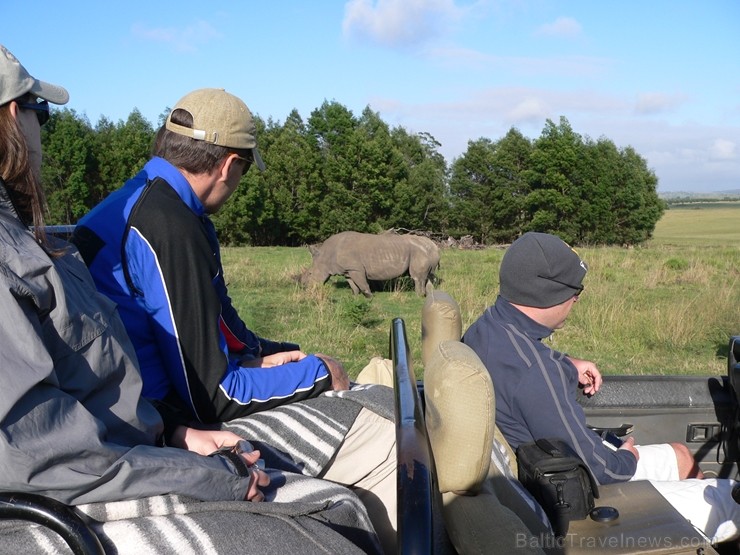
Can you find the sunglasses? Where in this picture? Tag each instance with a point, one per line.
(578, 288)
(41, 108)
(247, 163)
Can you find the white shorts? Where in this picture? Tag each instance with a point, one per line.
(707, 504)
(656, 462)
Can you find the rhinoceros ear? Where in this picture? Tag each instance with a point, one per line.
(314, 250)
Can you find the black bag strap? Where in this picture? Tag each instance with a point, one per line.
(547, 446)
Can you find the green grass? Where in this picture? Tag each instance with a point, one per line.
(700, 225)
(666, 308)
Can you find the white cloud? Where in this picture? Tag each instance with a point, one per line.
(685, 156)
(186, 39)
(399, 22)
(563, 27)
(722, 149)
(655, 103)
(529, 109)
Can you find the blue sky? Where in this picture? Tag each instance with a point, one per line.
(661, 75)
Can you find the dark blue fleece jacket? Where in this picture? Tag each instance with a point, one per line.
(536, 388)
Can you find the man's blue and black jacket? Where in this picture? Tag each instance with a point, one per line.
(152, 249)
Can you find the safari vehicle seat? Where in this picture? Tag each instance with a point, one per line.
(485, 508)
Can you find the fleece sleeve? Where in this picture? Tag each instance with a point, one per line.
(550, 410)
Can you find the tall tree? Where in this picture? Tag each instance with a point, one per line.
(470, 188)
(121, 150)
(419, 199)
(360, 167)
(556, 181)
(331, 128)
(637, 207)
(489, 189)
(69, 165)
(380, 167)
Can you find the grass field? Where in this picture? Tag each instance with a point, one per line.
(700, 225)
(668, 307)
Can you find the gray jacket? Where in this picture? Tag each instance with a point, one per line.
(72, 423)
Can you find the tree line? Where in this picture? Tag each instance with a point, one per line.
(337, 171)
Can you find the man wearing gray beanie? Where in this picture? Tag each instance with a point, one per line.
(541, 279)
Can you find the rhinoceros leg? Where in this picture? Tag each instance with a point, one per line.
(419, 285)
(358, 282)
(420, 273)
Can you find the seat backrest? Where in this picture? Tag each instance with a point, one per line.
(485, 507)
(440, 320)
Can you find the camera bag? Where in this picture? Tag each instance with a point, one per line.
(558, 479)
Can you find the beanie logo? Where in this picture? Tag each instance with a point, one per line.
(581, 262)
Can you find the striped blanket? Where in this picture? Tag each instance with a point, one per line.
(303, 437)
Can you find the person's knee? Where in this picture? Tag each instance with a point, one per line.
(687, 465)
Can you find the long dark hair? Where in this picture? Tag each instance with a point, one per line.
(21, 182)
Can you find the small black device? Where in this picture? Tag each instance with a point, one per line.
(612, 439)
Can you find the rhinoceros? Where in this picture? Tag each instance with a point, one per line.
(364, 256)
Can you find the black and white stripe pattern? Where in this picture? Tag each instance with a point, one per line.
(303, 514)
(303, 437)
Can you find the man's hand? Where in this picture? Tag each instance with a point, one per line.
(205, 442)
(258, 478)
(339, 378)
(629, 445)
(588, 375)
(276, 359)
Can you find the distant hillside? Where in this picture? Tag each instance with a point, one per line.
(714, 196)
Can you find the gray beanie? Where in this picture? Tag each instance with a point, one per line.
(540, 270)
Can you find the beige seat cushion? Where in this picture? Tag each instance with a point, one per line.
(379, 371)
(440, 321)
(460, 412)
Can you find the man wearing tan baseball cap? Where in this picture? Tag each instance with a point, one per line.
(152, 248)
(219, 118)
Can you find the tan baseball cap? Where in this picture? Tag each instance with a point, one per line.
(15, 81)
(219, 118)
